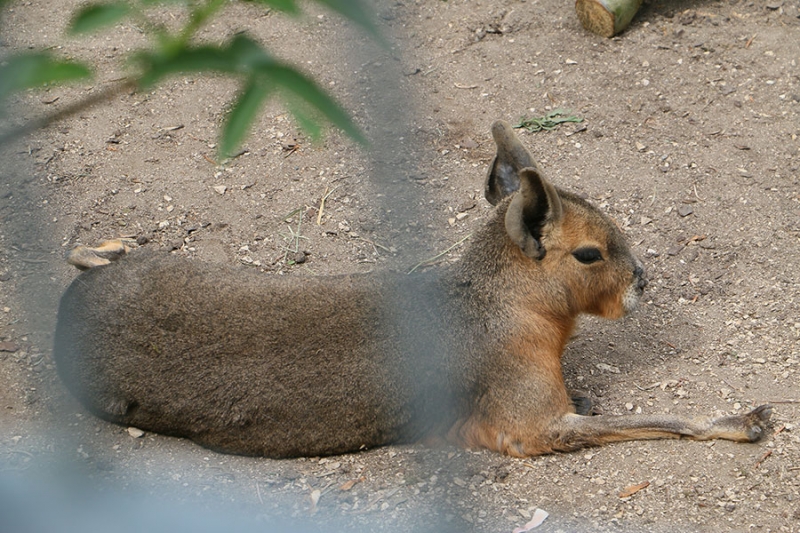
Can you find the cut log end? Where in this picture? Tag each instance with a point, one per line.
(595, 18)
(606, 17)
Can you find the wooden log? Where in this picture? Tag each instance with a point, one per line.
(606, 17)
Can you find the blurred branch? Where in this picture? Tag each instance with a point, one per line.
(86, 103)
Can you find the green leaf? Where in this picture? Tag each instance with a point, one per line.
(35, 69)
(243, 56)
(548, 122)
(248, 54)
(287, 6)
(95, 16)
(304, 118)
(356, 11)
(157, 2)
(305, 89)
(202, 59)
(243, 114)
(240, 56)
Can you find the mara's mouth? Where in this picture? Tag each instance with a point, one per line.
(630, 300)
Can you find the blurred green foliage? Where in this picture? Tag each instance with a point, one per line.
(173, 52)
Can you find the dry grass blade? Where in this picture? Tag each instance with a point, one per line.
(633, 489)
(322, 204)
(437, 256)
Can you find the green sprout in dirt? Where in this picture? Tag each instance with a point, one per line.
(292, 239)
(548, 122)
(260, 75)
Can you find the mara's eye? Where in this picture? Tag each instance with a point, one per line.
(587, 255)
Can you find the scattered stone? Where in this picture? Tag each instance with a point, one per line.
(299, 258)
(466, 206)
(220, 188)
(539, 516)
(687, 17)
(468, 143)
(9, 347)
(685, 210)
(136, 433)
(675, 250)
(607, 368)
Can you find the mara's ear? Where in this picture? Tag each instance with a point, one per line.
(503, 176)
(536, 205)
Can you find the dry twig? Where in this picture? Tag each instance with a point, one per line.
(437, 256)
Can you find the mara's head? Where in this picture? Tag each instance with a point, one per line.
(557, 233)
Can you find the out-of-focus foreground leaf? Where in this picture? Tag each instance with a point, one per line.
(95, 16)
(24, 71)
(243, 114)
(304, 88)
(287, 6)
(243, 56)
(357, 12)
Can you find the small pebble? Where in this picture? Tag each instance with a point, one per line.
(675, 250)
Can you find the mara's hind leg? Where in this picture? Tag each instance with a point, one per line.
(574, 431)
(85, 257)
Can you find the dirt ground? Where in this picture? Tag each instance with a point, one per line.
(689, 140)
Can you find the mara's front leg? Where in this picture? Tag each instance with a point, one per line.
(535, 415)
(572, 431)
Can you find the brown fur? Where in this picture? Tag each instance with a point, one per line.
(247, 363)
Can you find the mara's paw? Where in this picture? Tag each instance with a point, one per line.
(749, 427)
(84, 257)
(756, 422)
